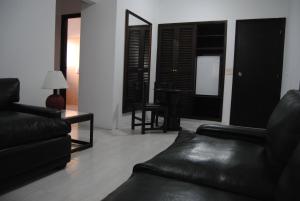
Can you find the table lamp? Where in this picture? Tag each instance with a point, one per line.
(55, 80)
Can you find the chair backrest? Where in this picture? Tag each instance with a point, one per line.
(9, 91)
(284, 131)
(145, 93)
(289, 182)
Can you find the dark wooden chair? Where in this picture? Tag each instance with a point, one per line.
(145, 106)
(160, 98)
(166, 94)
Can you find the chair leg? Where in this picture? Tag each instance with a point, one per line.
(143, 121)
(156, 120)
(133, 119)
(152, 118)
(165, 121)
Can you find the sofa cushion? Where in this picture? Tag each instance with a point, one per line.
(284, 130)
(22, 128)
(231, 165)
(147, 187)
(9, 91)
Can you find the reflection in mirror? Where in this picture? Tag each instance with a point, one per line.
(134, 21)
(137, 59)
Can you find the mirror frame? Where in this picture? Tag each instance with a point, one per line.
(128, 13)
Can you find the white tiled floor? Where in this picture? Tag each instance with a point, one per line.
(94, 173)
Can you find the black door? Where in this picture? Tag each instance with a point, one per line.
(257, 71)
(184, 67)
(166, 56)
(138, 65)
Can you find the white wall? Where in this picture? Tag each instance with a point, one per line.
(291, 72)
(27, 45)
(172, 11)
(146, 9)
(97, 61)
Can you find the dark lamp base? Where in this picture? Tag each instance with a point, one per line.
(56, 102)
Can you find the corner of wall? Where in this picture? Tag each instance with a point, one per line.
(96, 93)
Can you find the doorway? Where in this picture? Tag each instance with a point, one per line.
(257, 71)
(70, 57)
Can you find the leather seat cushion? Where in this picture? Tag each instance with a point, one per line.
(147, 187)
(231, 165)
(22, 128)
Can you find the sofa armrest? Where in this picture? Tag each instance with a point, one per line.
(233, 132)
(42, 111)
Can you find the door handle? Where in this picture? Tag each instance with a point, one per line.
(240, 74)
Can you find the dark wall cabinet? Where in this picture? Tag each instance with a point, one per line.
(176, 56)
(179, 47)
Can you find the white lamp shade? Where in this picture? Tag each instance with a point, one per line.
(55, 80)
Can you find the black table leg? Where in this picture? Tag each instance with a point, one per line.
(82, 145)
(173, 117)
(92, 130)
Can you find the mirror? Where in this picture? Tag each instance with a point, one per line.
(208, 75)
(136, 59)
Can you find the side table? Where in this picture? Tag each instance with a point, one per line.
(73, 117)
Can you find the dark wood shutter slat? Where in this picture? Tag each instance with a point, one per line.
(185, 68)
(138, 46)
(166, 53)
(176, 56)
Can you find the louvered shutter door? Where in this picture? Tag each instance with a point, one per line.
(184, 76)
(146, 55)
(138, 64)
(133, 65)
(166, 49)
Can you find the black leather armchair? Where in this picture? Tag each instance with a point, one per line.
(235, 132)
(33, 140)
(225, 163)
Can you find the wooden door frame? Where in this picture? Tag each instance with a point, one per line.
(63, 47)
(126, 53)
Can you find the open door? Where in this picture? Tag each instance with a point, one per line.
(70, 53)
(136, 59)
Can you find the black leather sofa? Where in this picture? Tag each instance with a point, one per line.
(33, 140)
(225, 163)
